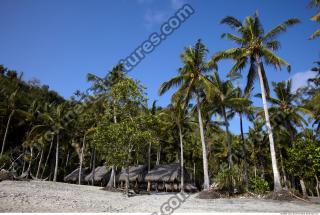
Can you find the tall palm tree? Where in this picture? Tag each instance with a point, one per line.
(256, 48)
(58, 116)
(190, 81)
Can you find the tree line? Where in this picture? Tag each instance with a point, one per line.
(46, 136)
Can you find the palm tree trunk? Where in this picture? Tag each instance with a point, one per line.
(283, 171)
(228, 138)
(181, 159)
(81, 158)
(6, 132)
(39, 165)
(303, 188)
(276, 175)
(47, 159)
(204, 149)
(317, 186)
(30, 162)
(149, 156)
(244, 149)
(57, 160)
(112, 178)
(24, 161)
(93, 165)
(158, 154)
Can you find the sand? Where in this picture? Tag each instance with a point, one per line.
(39, 196)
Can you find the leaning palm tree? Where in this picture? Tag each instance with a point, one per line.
(190, 81)
(256, 48)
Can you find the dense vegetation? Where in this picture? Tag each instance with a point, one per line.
(45, 136)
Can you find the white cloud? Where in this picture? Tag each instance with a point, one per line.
(300, 79)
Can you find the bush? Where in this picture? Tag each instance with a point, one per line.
(229, 180)
(5, 162)
(258, 185)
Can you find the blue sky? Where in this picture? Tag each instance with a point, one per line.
(59, 42)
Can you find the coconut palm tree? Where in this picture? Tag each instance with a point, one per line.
(190, 81)
(12, 107)
(177, 113)
(59, 125)
(224, 97)
(256, 48)
(244, 110)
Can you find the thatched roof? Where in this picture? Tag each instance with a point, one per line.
(167, 173)
(136, 173)
(101, 173)
(74, 176)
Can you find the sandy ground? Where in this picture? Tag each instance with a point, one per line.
(36, 196)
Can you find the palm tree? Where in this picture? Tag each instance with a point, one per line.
(190, 81)
(285, 112)
(86, 133)
(177, 113)
(224, 96)
(58, 117)
(256, 48)
(286, 115)
(316, 18)
(247, 111)
(12, 107)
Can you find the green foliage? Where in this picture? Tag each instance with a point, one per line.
(304, 157)
(258, 185)
(5, 161)
(229, 179)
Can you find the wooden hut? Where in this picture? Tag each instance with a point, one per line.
(136, 175)
(167, 178)
(101, 176)
(73, 177)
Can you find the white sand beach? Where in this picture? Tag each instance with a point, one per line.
(40, 196)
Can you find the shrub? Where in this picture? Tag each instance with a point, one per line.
(5, 162)
(258, 185)
(229, 180)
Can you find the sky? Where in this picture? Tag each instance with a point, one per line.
(59, 42)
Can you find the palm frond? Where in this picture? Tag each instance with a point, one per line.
(272, 59)
(315, 34)
(274, 45)
(174, 82)
(233, 37)
(231, 21)
(280, 28)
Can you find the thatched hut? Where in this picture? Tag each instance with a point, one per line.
(73, 177)
(167, 178)
(136, 175)
(101, 176)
